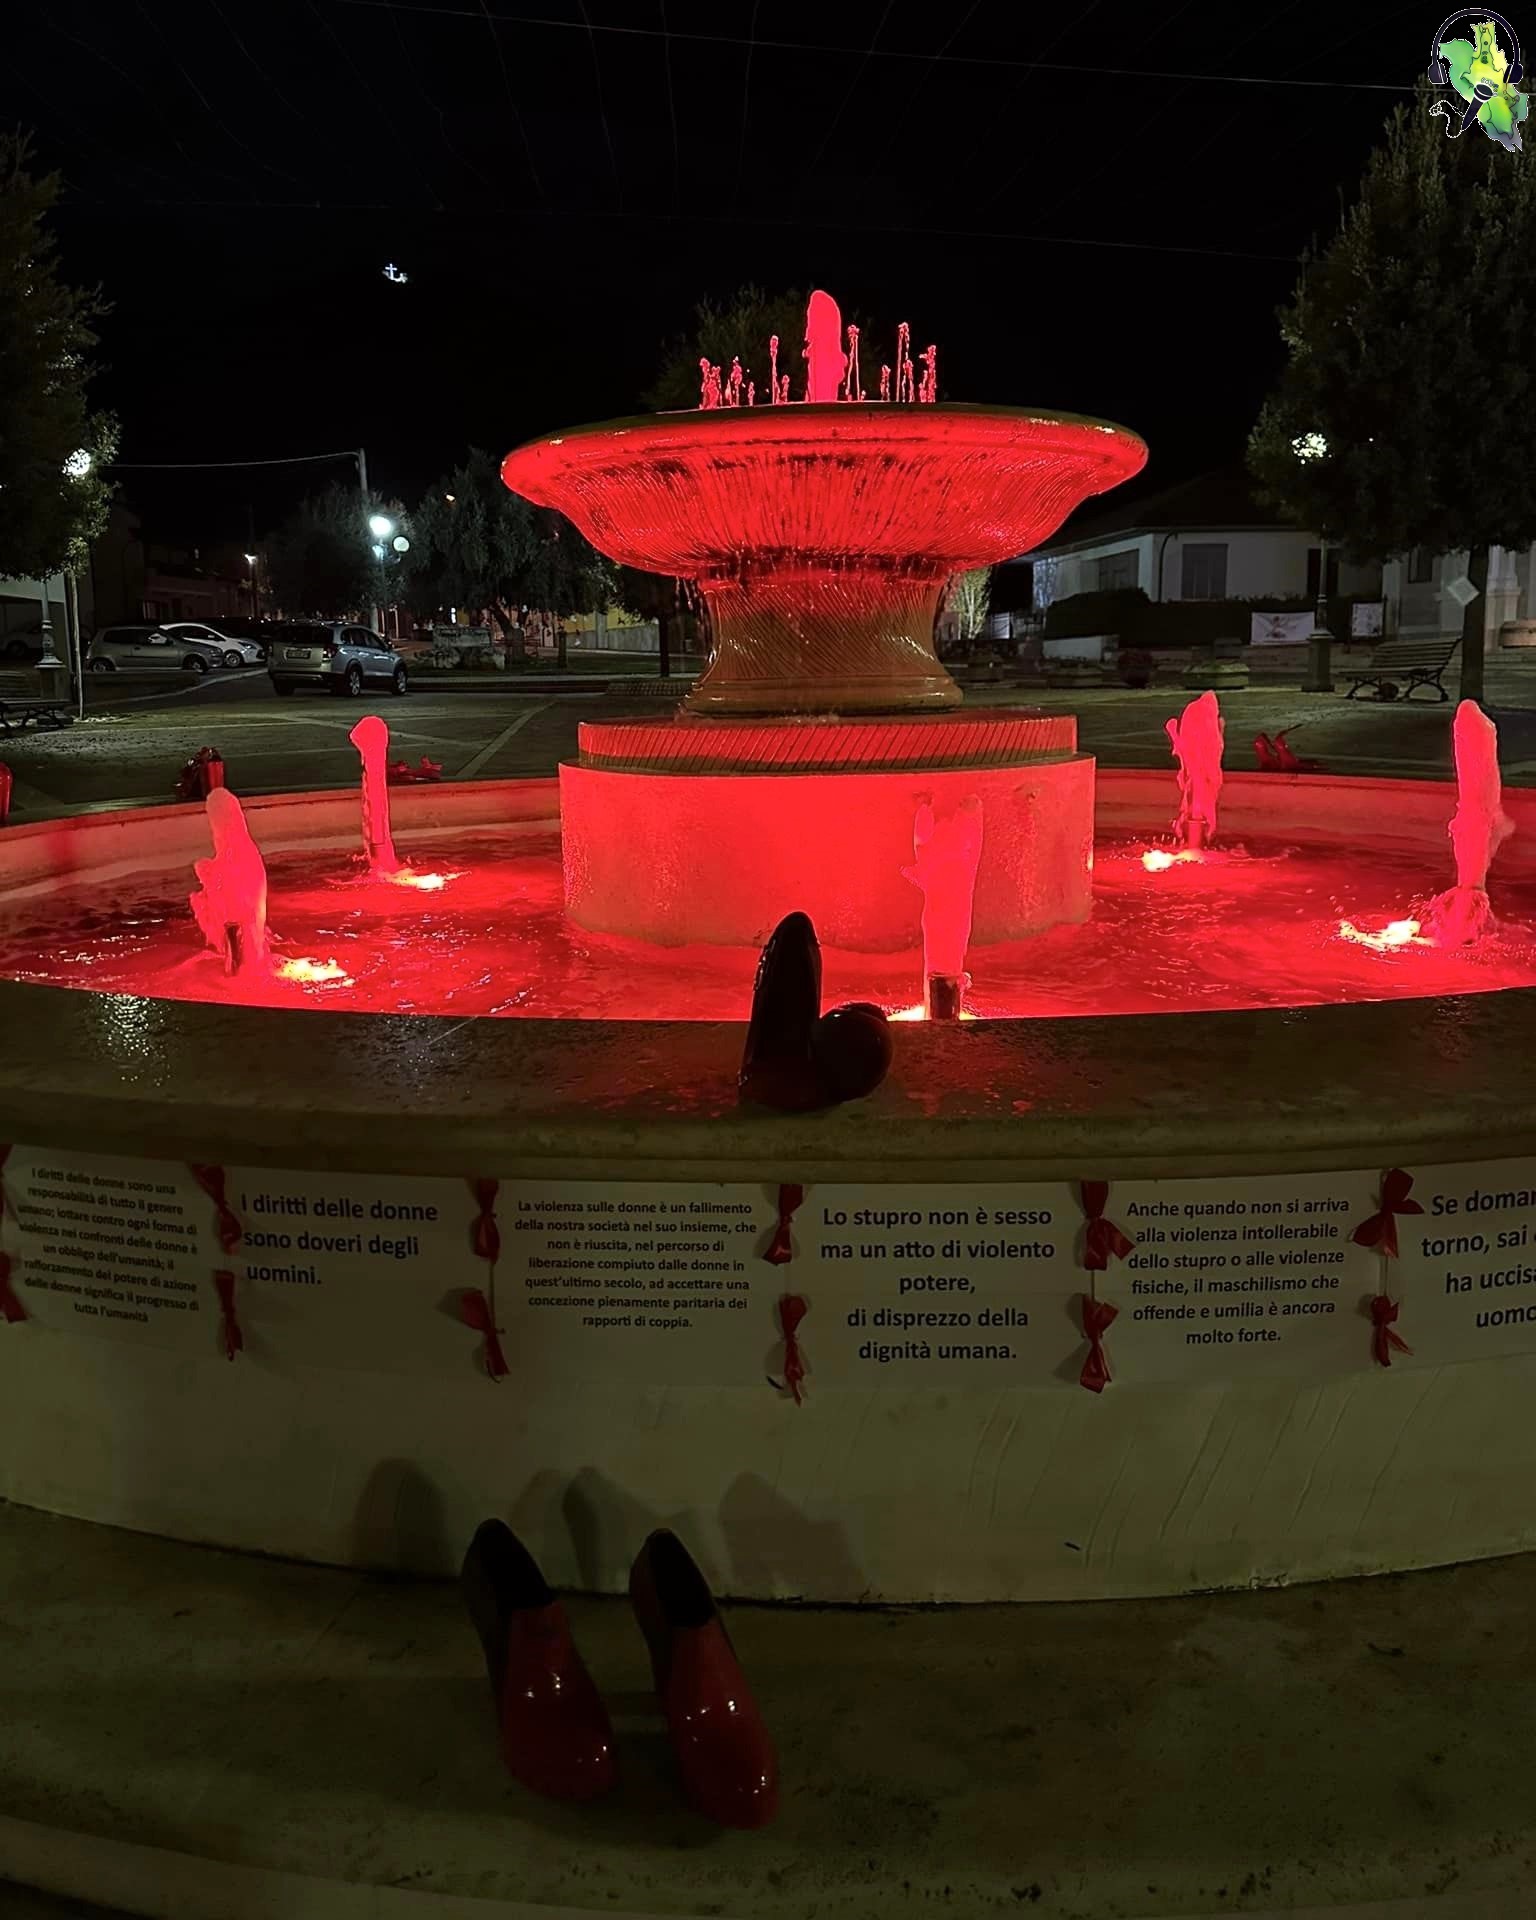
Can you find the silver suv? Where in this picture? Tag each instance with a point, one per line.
(329, 653)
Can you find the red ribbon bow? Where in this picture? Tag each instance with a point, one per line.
(1380, 1231)
(1383, 1338)
(1098, 1317)
(476, 1312)
(792, 1310)
(234, 1339)
(485, 1236)
(11, 1308)
(781, 1247)
(1103, 1237)
(230, 1231)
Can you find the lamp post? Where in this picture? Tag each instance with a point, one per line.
(381, 527)
(250, 561)
(76, 467)
(1319, 674)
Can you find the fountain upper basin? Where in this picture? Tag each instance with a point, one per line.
(821, 536)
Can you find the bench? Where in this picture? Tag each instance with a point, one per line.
(24, 701)
(1419, 663)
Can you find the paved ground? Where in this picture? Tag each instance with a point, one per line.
(130, 749)
(1357, 1741)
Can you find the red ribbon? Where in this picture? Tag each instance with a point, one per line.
(234, 1339)
(11, 1309)
(1098, 1317)
(781, 1247)
(1103, 1237)
(1383, 1338)
(1380, 1231)
(792, 1310)
(230, 1231)
(476, 1311)
(485, 1236)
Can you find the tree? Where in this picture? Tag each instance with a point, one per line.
(1409, 361)
(658, 597)
(968, 597)
(53, 448)
(742, 330)
(473, 543)
(565, 574)
(321, 560)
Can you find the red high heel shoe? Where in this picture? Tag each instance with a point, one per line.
(555, 1733)
(1264, 752)
(725, 1757)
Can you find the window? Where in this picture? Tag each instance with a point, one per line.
(1119, 570)
(1313, 560)
(1421, 567)
(1204, 573)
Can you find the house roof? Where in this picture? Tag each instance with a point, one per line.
(1219, 501)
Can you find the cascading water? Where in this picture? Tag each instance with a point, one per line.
(230, 905)
(1461, 915)
(1199, 738)
(371, 738)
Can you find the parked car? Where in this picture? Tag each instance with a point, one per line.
(148, 649)
(329, 653)
(23, 645)
(234, 649)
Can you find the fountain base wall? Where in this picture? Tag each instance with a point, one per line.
(693, 831)
(867, 1491)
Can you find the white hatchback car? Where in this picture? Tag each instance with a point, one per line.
(231, 649)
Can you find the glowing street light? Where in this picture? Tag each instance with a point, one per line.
(1309, 446)
(380, 526)
(79, 464)
(400, 543)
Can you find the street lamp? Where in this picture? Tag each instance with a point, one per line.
(1319, 675)
(79, 464)
(380, 526)
(250, 561)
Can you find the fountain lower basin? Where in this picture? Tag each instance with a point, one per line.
(330, 1459)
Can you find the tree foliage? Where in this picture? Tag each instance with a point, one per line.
(741, 329)
(321, 561)
(477, 544)
(1408, 352)
(48, 515)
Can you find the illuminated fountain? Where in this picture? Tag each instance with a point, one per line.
(821, 535)
(571, 1013)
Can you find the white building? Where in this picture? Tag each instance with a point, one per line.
(1417, 602)
(1207, 539)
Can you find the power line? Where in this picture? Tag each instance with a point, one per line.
(517, 118)
(732, 218)
(879, 53)
(597, 84)
(205, 466)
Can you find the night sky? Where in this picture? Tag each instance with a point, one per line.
(1092, 208)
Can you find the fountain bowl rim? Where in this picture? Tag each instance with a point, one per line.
(909, 422)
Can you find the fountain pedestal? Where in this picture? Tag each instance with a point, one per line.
(690, 830)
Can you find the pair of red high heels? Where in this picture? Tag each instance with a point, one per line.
(556, 1737)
